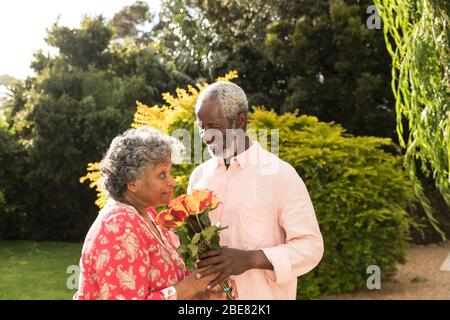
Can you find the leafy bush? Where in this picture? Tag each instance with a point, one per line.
(359, 192)
(12, 186)
(358, 189)
(67, 115)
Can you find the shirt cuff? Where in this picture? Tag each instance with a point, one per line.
(281, 263)
(169, 293)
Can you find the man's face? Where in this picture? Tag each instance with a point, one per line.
(213, 128)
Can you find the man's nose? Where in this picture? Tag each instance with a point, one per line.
(211, 135)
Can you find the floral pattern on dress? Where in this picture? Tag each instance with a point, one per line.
(122, 259)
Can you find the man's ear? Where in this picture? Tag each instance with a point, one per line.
(242, 120)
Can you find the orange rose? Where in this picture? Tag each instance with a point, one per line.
(168, 219)
(178, 208)
(200, 199)
(214, 202)
(163, 218)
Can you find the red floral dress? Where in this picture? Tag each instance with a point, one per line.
(123, 259)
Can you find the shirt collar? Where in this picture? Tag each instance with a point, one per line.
(244, 158)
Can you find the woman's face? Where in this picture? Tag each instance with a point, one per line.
(155, 187)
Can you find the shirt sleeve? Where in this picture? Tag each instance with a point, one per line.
(303, 247)
(195, 178)
(191, 181)
(122, 262)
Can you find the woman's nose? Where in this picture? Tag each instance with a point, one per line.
(172, 182)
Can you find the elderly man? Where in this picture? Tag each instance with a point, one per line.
(273, 235)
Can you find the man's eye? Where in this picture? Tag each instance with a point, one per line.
(162, 175)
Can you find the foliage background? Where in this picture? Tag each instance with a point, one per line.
(311, 69)
(359, 190)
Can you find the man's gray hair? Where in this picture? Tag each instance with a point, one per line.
(130, 154)
(230, 97)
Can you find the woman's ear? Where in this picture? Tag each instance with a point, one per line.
(132, 186)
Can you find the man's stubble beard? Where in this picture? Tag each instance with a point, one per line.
(230, 150)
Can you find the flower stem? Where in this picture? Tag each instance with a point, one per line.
(190, 225)
(225, 287)
(198, 221)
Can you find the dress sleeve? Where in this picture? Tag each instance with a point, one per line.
(122, 261)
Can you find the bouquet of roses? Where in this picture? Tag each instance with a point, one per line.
(187, 216)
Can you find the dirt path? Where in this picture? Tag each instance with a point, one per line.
(419, 278)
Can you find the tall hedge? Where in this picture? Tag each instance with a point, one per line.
(358, 188)
(360, 195)
(13, 188)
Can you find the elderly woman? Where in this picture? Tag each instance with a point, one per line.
(126, 255)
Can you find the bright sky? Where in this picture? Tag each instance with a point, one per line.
(23, 25)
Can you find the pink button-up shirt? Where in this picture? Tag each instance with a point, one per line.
(266, 206)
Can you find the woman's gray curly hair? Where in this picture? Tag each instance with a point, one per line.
(130, 154)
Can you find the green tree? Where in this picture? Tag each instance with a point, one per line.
(130, 22)
(68, 114)
(315, 56)
(336, 68)
(13, 188)
(207, 38)
(418, 39)
(85, 46)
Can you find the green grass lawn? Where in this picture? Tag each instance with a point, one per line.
(36, 270)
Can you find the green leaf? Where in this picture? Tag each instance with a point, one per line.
(190, 263)
(204, 218)
(193, 249)
(196, 238)
(209, 232)
(182, 237)
(184, 251)
(215, 242)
